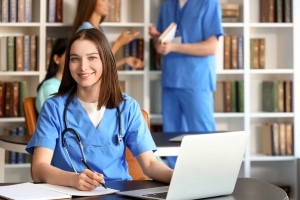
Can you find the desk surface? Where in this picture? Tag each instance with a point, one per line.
(245, 189)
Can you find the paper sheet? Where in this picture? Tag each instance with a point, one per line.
(30, 191)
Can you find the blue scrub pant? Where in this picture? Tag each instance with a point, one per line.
(187, 110)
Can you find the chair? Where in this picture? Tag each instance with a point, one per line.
(31, 116)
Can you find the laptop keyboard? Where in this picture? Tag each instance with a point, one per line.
(161, 195)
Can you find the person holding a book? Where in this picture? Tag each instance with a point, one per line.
(188, 64)
(55, 69)
(90, 14)
(82, 132)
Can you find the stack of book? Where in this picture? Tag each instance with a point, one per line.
(230, 12)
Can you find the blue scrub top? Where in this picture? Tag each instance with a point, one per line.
(196, 21)
(103, 152)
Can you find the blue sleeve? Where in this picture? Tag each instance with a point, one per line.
(212, 23)
(47, 129)
(137, 134)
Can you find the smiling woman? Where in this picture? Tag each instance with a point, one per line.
(89, 107)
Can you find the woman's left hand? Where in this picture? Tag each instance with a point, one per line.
(134, 62)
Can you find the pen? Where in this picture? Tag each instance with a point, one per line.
(87, 166)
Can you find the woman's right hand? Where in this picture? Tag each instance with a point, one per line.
(127, 36)
(88, 180)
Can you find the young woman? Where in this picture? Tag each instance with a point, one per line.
(51, 82)
(89, 111)
(90, 14)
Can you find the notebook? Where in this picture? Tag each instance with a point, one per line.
(168, 34)
(207, 166)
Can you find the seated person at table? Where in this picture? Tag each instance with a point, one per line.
(90, 110)
(51, 82)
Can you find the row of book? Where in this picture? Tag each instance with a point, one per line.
(135, 48)
(12, 95)
(277, 96)
(16, 11)
(12, 157)
(114, 13)
(54, 11)
(229, 96)
(233, 53)
(275, 11)
(277, 139)
(231, 12)
(18, 53)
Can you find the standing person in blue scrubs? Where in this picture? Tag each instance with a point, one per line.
(55, 69)
(89, 111)
(188, 64)
(90, 14)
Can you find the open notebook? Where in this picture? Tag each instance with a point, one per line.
(30, 191)
(207, 166)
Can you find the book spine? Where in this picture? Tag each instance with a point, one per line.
(26, 53)
(21, 11)
(10, 53)
(13, 11)
(28, 11)
(15, 99)
(5, 11)
(51, 10)
(19, 52)
(59, 11)
(12, 159)
(2, 98)
(3, 53)
(240, 52)
(33, 53)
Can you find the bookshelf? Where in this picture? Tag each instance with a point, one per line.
(281, 62)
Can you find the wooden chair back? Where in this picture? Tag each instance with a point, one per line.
(31, 116)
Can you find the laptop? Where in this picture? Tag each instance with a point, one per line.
(207, 166)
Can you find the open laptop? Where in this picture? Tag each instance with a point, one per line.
(207, 166)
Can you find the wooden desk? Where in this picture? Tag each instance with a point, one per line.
(245, 189)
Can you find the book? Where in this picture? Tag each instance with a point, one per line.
(19, 46)
(270, 96)
(59, 11)
(12, 10)
(5, 11)
(3, 53)
(2, 99)
(47, 191)
(21, 11)
(11, 53)
(51, 11)
(168, 34)
(28, 11)
(227, 52)
(282, 138)
(266, 145)
(261, 52)
(288, 96)
(289, 139)
(234, 52)
(219, 97)
(33, 52)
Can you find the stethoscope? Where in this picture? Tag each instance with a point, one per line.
(73, 131)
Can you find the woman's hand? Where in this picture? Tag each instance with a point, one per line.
(134, 62)
(88, 180)
(127, 36)
(153, 32)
